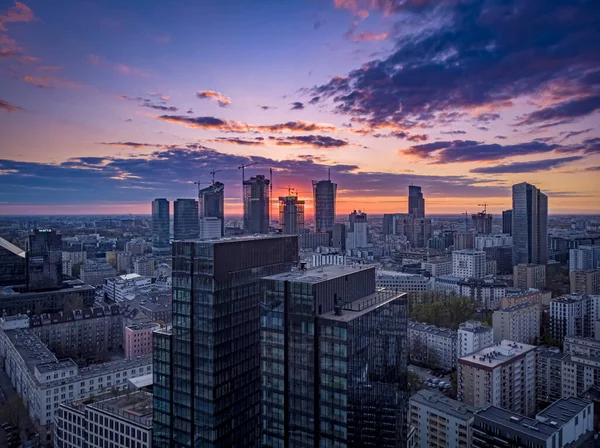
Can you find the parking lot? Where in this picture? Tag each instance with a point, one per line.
(426, 375)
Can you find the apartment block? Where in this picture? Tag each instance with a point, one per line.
(432, 346)
(527, 276)
(468, 263)
(472, 337)
(138, 339)
(549, 374)
(519, 323)
(585, 282)
(574, 315)
(437, 267)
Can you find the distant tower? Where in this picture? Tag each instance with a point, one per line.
(185, 219)
(416, 202)
(357, 230)
(529, 225)
(291, 215)
(160, 227)
(256, 204)
(324, 192)
(507, 222)
(212, 203)
(44, 260)
(482, 222)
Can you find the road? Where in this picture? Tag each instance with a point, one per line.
(7, 392)
(424, 373)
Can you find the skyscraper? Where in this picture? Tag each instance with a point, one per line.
(529, 225)
(160, 227)
(507, 222)
(389, 226)
(206, 369)
(212, 203)
(185, 219)
(357, 230)
(256, 204)
(416, 202)
(44, 260)
(291, 215)
(324, 192)
(13, 264)
(333, 360)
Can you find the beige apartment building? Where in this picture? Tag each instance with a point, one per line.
(519, 323)
(527, 276)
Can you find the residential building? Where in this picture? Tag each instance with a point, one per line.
(490, 267)
(441, 422)
(338, 238)
(573, 345)
(211, 201)
(144, 266)
(136, 247)
(584, 257)
(585, 282)
(526, 276)
(123, 421)
(94, 272)
(416, 202)
(549, 375)
(499, 239)
(291, 215)
(256, 204)
(124, 262)
(529, 225)
(138, 339)
(574, 315)
(437, 267)
(324, 192)
(468, 263)
(216, 329)
(332, 360)
(578, 374)
(185, 219)
(413, 284)
(520, 323)
(516, 296)
(161, 225)
(449, 284)
(507, 222)
(565, 423)
(464, 240)
(482, 223)
(488, 292)
(472, 337)
(432, 346)
(67, 267)
(44, 260)
(13, 264)
(502, 375)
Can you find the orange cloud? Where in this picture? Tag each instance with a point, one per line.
(9, 107)
(99, 61)
(27, 59)
(369, 37)
(223, 100)
(50, 81)
(18, 13)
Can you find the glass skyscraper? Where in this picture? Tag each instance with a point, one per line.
(529, 225)
(160, 227)
(333, 360)
(13, 264)
(324, 192)
(256, 204)
(507, 222)
(44, 260)
(207, 371)
(185, 219)
(212, 203)
(416, 202)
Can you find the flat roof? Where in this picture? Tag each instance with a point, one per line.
(142, 381)
(517, 423)
(444, 405)
(383, 273)
(319, 274)
(237, 238)
(33, 351)
(363, 306)
(136, 407)
(432, 329)
(517, 307)
(497, 354)
(563, 410)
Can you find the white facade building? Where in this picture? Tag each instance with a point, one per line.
(432, 346)
(468, 263)
(472, 337)
(125, 287)
(401, 281)
(210, 228)
(328, 259)
(437, 267)
(493, 241)
(584, 257)
(574, 315)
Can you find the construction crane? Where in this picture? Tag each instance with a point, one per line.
(199, 183)
(244, 167)
(484, 207)
(212, 173)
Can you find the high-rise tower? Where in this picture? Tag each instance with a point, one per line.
(416, 202)
(185, 219)
(207, 367)
(256, 204)
(160, 227)
(324, 192)
(529, 225)
(44, 260)
(291, 215)
(212, 203)
(507, 222)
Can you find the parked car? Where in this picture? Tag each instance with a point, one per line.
(435, 381)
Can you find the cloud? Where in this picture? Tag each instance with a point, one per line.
(28, 59)
(237, 141)
(213, 123)
(223, 100)
(369, 37)
(314, 141)
(401, 135)
(9, 107)
(483, 128)
(18, 13)
(263, 107)
(50, 82)
(570, 134)
(593, 168)
(591, 145)
(500, 137)
(475, 57)
(453, 132)
(526, 167)
(297, 105)
(160, 107)
(132, 144)
(128, 70)
(160, 95)
(125, 97)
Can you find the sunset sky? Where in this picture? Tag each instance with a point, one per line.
(106, 105)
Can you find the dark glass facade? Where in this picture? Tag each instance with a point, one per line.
(209, 395)
(212, 203)
(185, 219)
(529, 225)
(416, 202)
(13, 264)
(160, 227)
(507, 222)
(333, 360)
(256, 204)
(324, 192)
(44, 260)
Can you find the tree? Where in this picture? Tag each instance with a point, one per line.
(449, 313)
(414, 382)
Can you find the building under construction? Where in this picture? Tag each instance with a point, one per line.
(291, 215)
(482, 222)
(212, 203)
(256, 204)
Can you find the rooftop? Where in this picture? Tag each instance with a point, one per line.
(235, 239)
(67, 286)
(136, 407)
(517, 423)
(30, 348)
(571, 298)
(498, 354)
(432, 329)
(444, 404)
(520, 306)
(550, 353)
(319, 274)
(360, 307)
(562, 410)
(382, 273)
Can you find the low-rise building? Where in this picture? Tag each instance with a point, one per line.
(500, 239)
(125, 287)
(432, 346)
(441, 422)
(472, 337)
(515, 296)
(520, 323)
(413, 284)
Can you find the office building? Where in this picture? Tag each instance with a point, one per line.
(526, 276)
(502, 255)
(357, 234)
(565, 423)
(441, 422)
(256, 204)
(507, 216)
(414, 285)
(529, 225)
(472, 337)
(432, 346)
(121, 288)
(210, 228)
(333, 355)
(324, 192)
(44, 260)
(464, 240)
(211, 201)
(389, 225)
(468, 263)
(520, 323)
(502, 375)
(94, 272)
(291, 215)
(549, 375)
(207, 385)
(574, 315)
(338, 238)
(585, 281)
(13, 264)
(416, 202)
(417, 231)
(437, 267)
(185, 219)
(482, 223)
(488, 292)
(122, 421)
(161, 227)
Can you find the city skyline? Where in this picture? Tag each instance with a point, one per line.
(108, 105)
